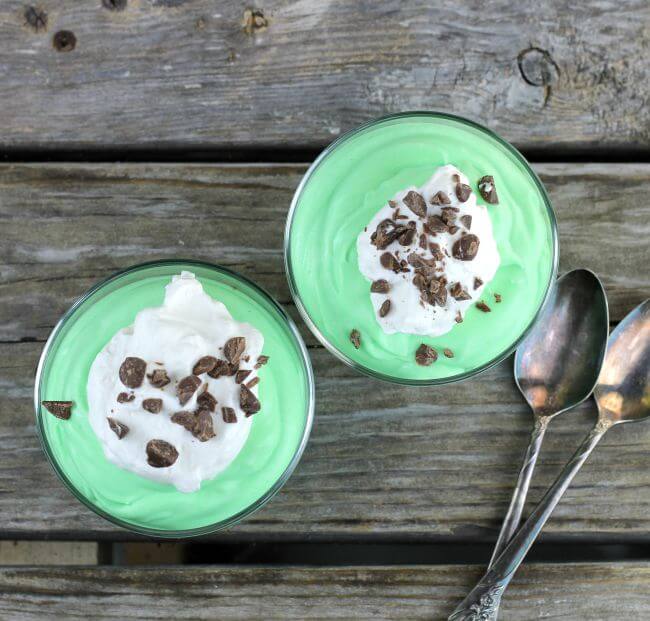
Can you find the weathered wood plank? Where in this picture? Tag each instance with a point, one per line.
(65, 227)
(186, 74)
(598, 592)
(49, 553)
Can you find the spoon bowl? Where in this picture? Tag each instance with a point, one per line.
(623, 389)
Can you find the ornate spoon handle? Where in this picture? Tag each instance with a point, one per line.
(482, 604)
(513, 517)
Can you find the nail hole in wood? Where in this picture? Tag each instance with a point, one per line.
(36, 18)
(64, 41)
(114, 5)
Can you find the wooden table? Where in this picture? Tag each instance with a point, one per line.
(171, 126)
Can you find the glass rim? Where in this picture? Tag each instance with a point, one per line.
(293, 287)
(254, 506)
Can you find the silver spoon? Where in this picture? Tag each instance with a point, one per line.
(622, 395)
(556, 368)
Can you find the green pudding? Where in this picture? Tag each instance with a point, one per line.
(278, 432)
(346, 187)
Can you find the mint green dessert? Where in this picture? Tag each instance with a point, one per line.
(347, 186)
(277, 436)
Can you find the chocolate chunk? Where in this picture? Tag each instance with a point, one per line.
(161, 454)
(488, 190)
(388, 261)
(477, 283)
(204, 365)
(448, 215)
(228, 415)
(465, 248)
(254, 382)
(132, 372)
(119, 429)
(448, 353)
(355, 338)
(466, 221)
(261, 361)
(425, 355)
(158, 378)
(152, 405)
(384, 309)
(458, 318)
(497, 298)
(440, 198)
(206, 401)
(437, 224)
(483, 306)
(240, 376)
(462, 192)
(437, 293)
(234, 348)
(416, 203)
(436, 251)
(459, 293)
(203, 428)
(453, 229)
(185, 419)
(392, 204)
(380, 286)
(125, 397)
(186, 388)
(220, 369)
(423, 241)
(406, 238)
(60, 409)
(248, 401)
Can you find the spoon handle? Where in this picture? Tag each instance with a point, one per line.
(513, 517)
(483, 601)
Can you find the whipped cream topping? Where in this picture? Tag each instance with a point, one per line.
(188, 326)
(457, 266)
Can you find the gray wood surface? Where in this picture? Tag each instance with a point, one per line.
(383, 461)
(598, 592)
(550, 75)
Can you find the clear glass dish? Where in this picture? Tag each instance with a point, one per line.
(278, 435)
(345, 187)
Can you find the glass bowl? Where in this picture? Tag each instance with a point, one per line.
(343, 190)
(278, 434)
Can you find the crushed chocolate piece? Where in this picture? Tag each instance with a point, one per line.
(465, 248)
(206, 401)
(453, 229)
(161, 454)
(463, 191)
(437, 293)
(228, 415)
(261, 361)
(459, 293)
(204, 365)
(436, 251)
(220, 369)
(425, 355)
(132, 372)
(158, 378)
(234, 348)
(455, 177)
(440, 198)
(483, 306)
(423, 241)
(416, 203)
(388, 261)
(118, 428)
(384, 309)
(386, 233)
(448, 353)
(497, 298)
(488, 190)
(406, 238)
(184, 419)
(203, 428)
(186, 388)
(477, 283)
(436, 224)
(380, 286)
(152, 405)
(248, 401)
(392, 204)
(466, 221)
(355, 338)
(240, 376)
(125, 397)
(60, 409)
(458, 318)
(254, 382)
(448, 215)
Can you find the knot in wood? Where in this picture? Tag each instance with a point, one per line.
(64, 41)
(537, 67)
(36, 18)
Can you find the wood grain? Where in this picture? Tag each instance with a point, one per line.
(179, 74)
(598, 592)
(383, 461)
